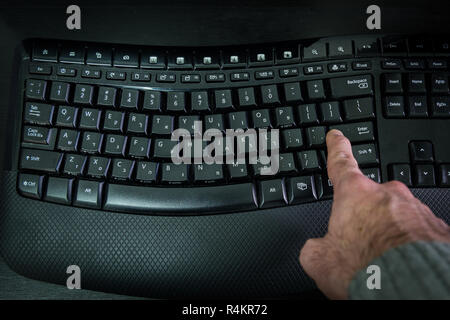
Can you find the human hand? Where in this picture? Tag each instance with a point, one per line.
(367, 219)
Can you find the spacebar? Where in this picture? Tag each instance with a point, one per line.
(178, 200)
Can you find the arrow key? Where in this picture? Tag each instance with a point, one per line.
(421, 151)
(401, 172)
(424, 175)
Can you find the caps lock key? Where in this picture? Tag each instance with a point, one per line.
(360, 85)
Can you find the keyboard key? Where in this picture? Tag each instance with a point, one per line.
(99, 56)
(246, 97)
(393, 83)
(239, 197)
(39, 69)
(444, 175)
(292, 138)
(140, 76)
(89, 194)
(137, 123)
(44, 51)
(38, 135)
(116, 75)
(35, 89)
(122, 169)
(424, 176)
(300, 189)
(125, 57)
(72, 54)
(402, 173)
(417, 106)
(315, 90)
(130, 99)
(416, 83)
(223, 99)
(269, 95)
(215, 77)
(173, 173)
(74, 164)
(162, 125)
(214, 121)
(360, 85)
(315, 69)
(59, 92)
(359, 109)
(40, 160)
(271, 194)
(189, 123)
(67, 116)
(139, 147)
(90, 73)
(38, 113)
(68, 140)
(166, 77)
(440, 107)
(163, 148)
(366, 47)
(92, 142)
(83, 94)
(339, 49)
(287, 163)
(106, 97)
(263, 75)
(284, 117)
(330, 112)
(362, 65)
(315, 136)
(261, 118)
(147, 171)
(237, 171)
(421, 151)
(59, 190)
(292, 92)
(113, 121)
(439, 84)
(98, 167)
(237, 120)
(289, 72)
(205, 173)
(199, 101)
(152, 101)
(175, 101)
(307, 114)
(30, 185)
(308, 161)
(394, 107)
(90, 119)
(356, 132)
(365, 154)
(315, 51)
(115, 144)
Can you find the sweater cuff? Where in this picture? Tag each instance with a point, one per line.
(417, 270)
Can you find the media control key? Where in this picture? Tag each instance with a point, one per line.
(360, 85)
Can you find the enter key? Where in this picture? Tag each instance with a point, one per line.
(365, 154)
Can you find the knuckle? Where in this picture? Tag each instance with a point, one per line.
(397, 186)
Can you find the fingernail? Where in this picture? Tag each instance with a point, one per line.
(336, 132)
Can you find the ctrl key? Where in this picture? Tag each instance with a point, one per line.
(89, 194)
(30, 185)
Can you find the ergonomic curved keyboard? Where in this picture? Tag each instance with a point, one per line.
(97, 119)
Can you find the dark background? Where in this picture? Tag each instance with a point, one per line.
(187, 23)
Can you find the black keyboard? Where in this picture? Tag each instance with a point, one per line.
(98, 119)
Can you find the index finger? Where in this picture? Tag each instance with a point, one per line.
(341, 162)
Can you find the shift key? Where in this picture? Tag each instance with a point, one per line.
(353, 86)
(356, 132)
(40, 160)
